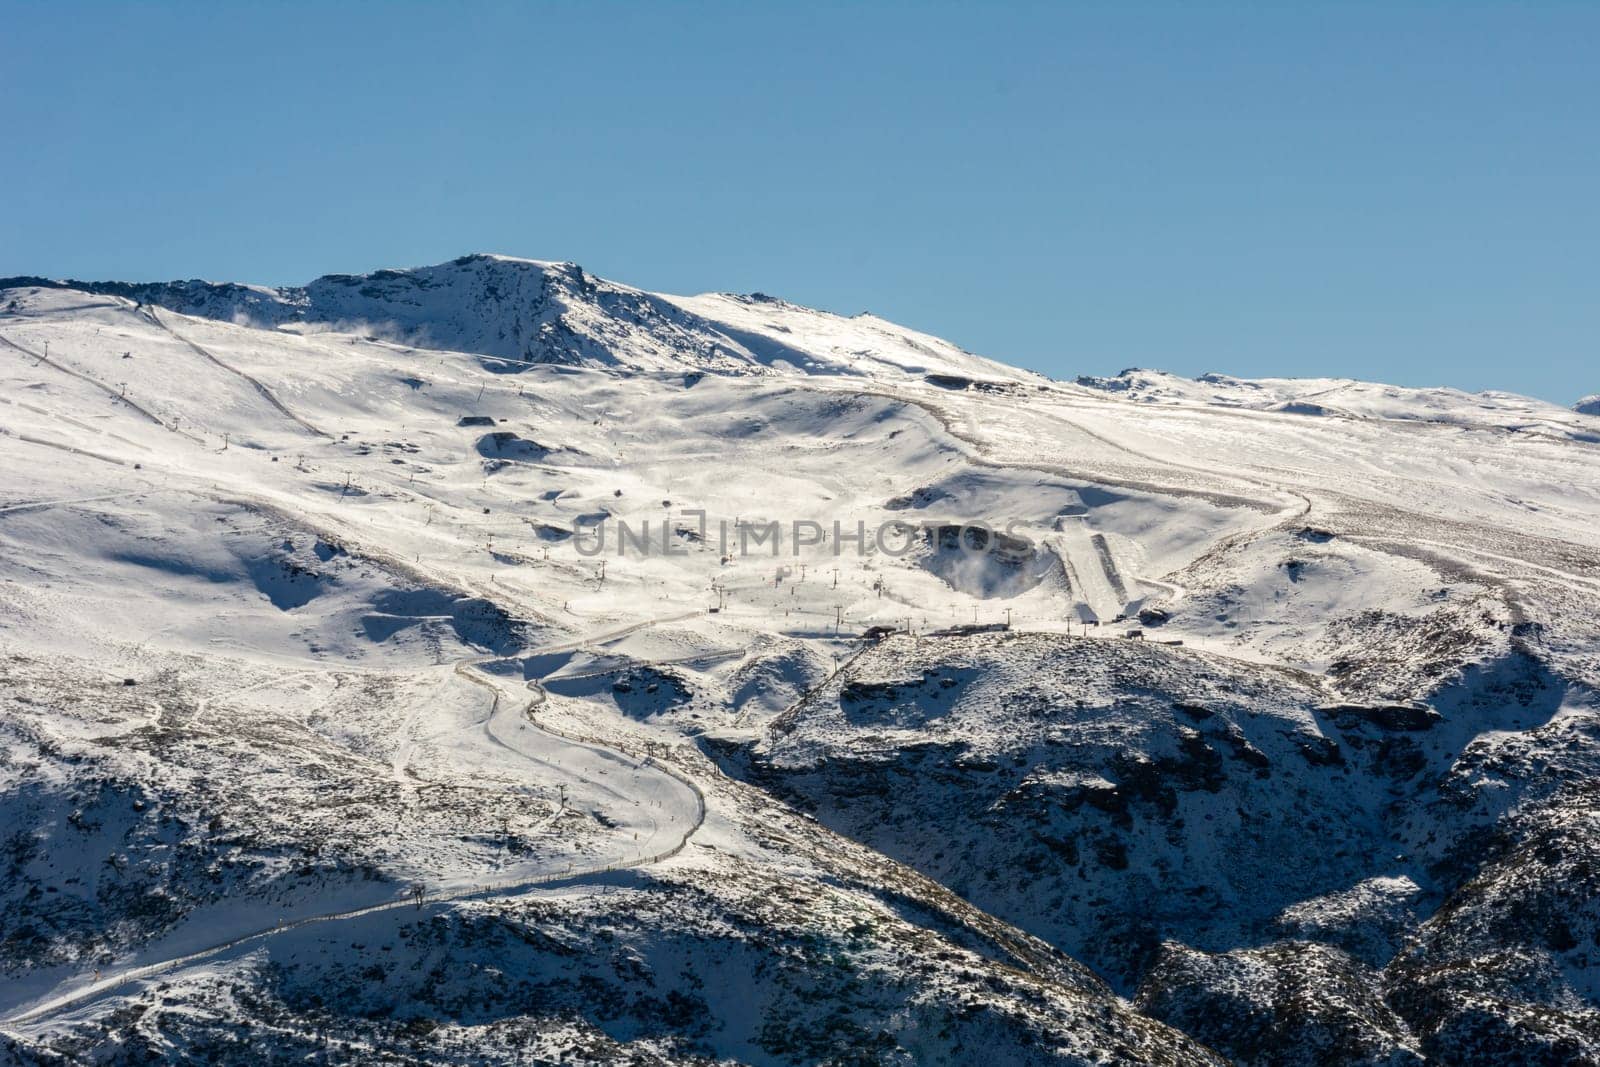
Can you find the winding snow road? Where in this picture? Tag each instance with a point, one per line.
(675, 795)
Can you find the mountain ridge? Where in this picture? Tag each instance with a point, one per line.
(516, 311)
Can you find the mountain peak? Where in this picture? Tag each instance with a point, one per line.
(514, 312)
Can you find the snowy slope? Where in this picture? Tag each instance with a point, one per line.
(387, 718)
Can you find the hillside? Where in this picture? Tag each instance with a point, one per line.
(1134, 719)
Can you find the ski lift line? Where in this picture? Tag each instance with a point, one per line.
(266, 394)
(40, 358)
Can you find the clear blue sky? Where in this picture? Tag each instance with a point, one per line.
(1404, 192)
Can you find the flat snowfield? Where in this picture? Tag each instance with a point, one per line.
(339, 713)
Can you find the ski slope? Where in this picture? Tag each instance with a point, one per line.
(302, 619)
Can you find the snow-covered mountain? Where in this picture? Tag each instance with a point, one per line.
(1121, 720)
(520, 311)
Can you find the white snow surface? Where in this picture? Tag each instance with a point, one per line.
(327, 534)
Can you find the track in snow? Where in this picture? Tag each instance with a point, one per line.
(670, 843)
(265, 393)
